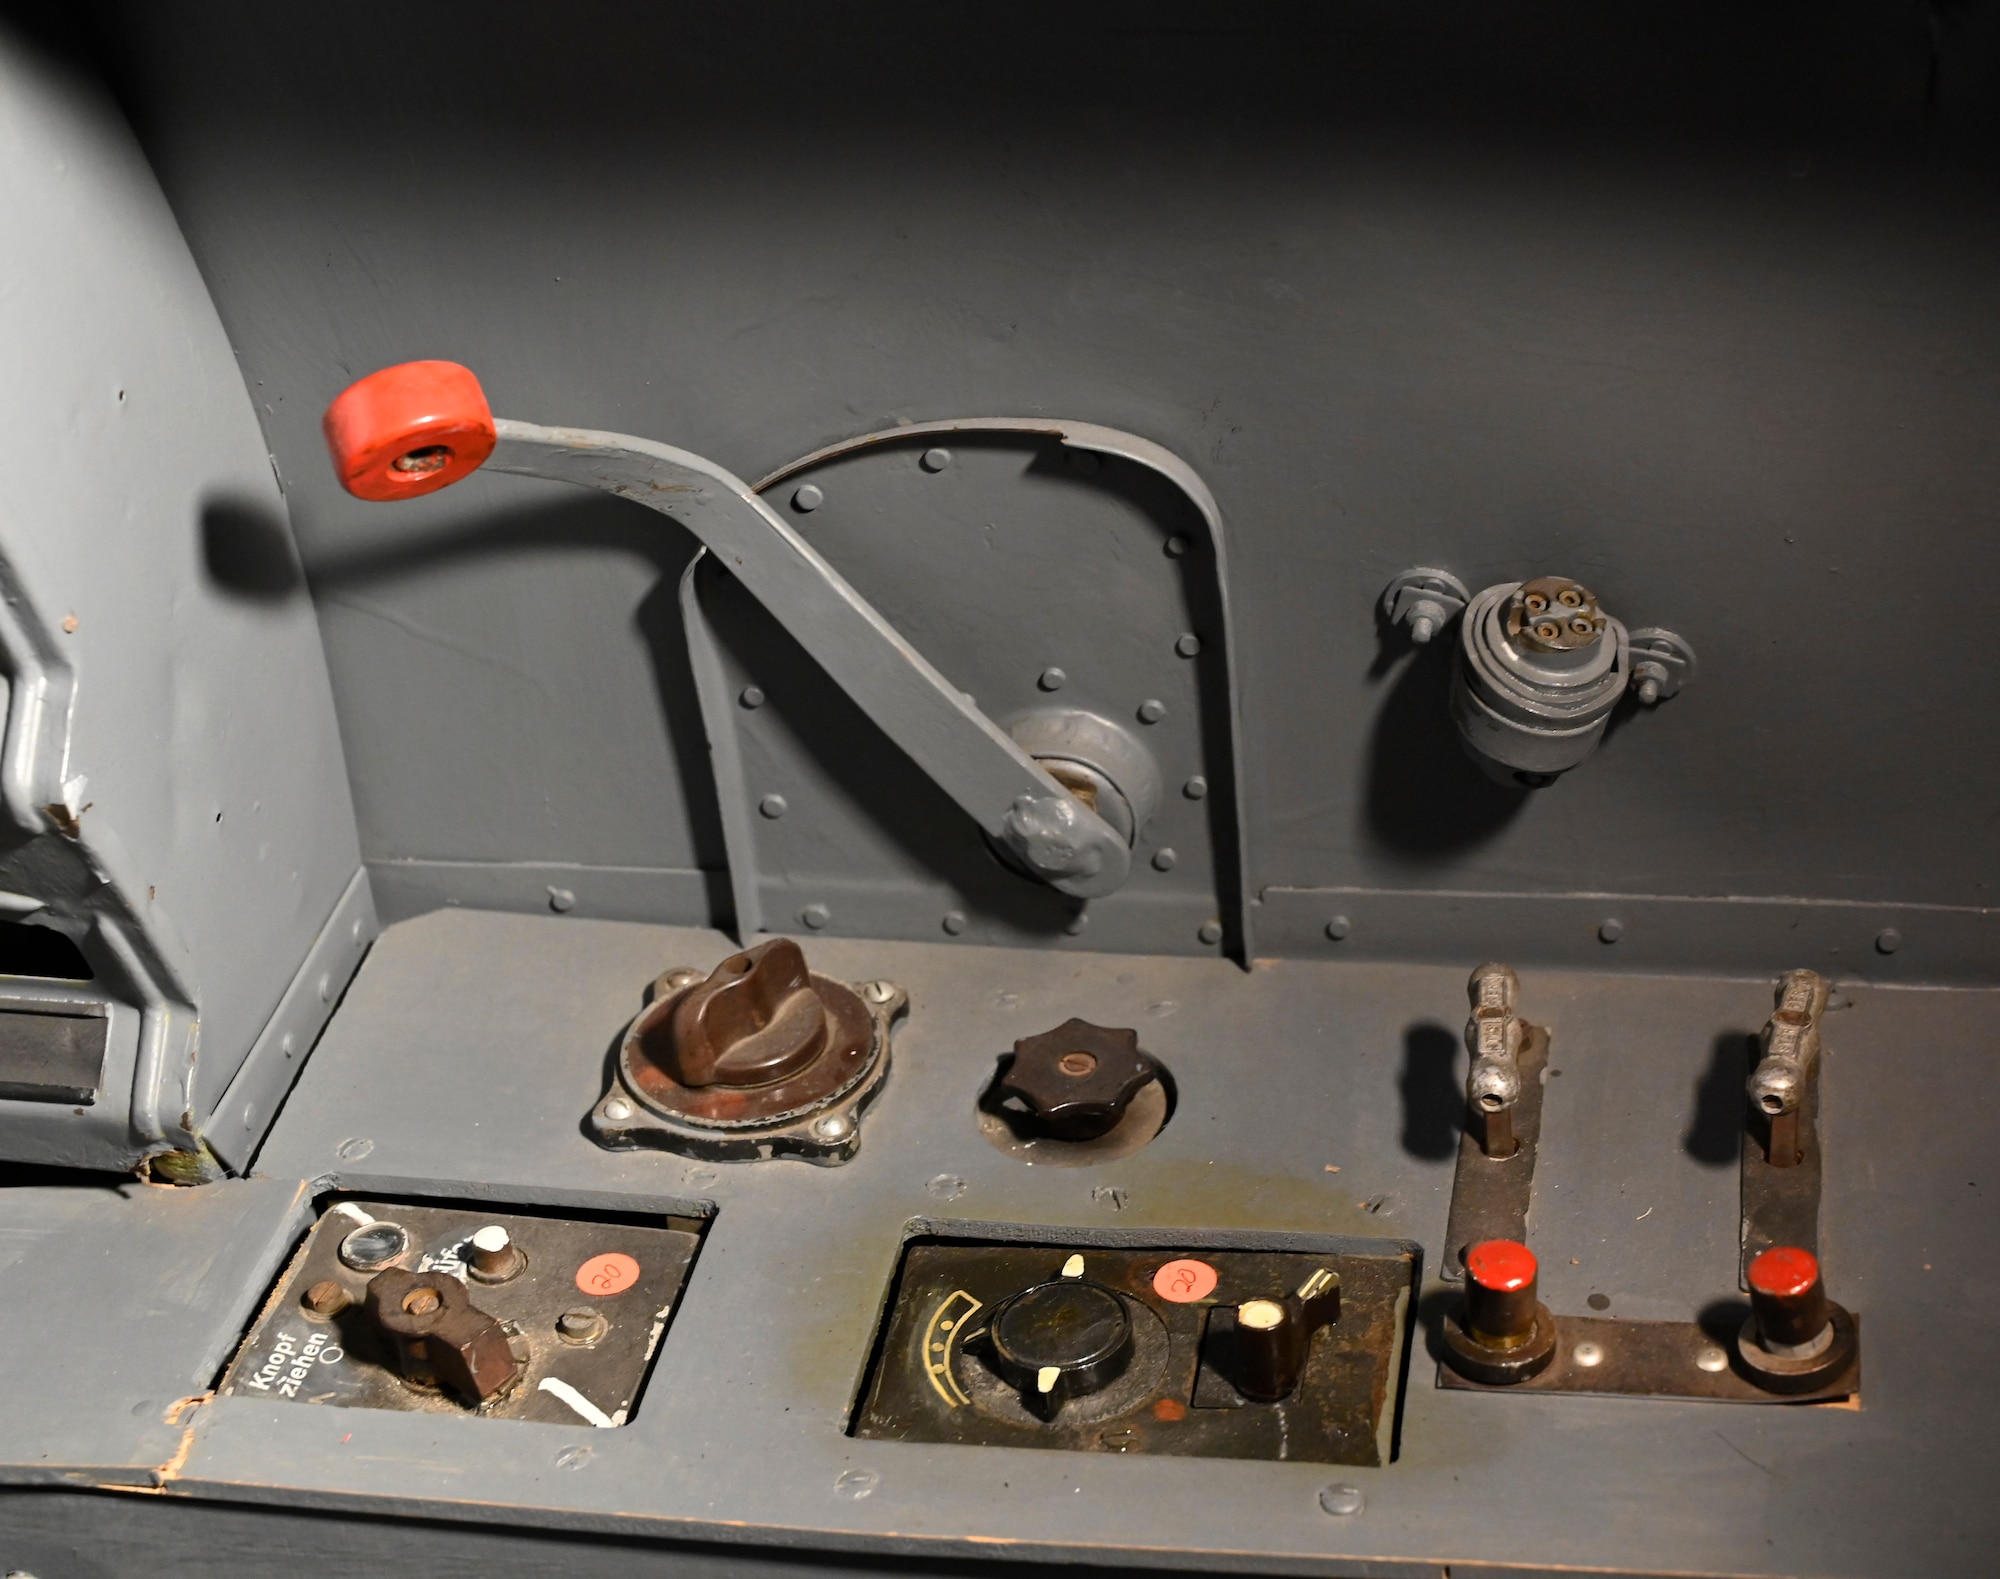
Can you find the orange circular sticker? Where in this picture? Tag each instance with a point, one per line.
(1184, 1282)
(615, 1273)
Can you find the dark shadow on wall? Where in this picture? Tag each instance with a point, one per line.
(564, 526)
(1433, 1100)
(1715, 1128)
(247, 549)
(1425, 798)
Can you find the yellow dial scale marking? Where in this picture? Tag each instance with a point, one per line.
(940, 1333)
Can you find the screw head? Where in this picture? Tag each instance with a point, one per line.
(1610, 931)
(1175, 547)
(326, 1298)
(1712, 1359)
(832, 1126)
(1164, 860)
(1189, 645)
(935, 460)
(618, 1110)
(774, 806)
(751, 696)
(577, 1325)
(1052, 679)
(1342, 1502)
(1338, 928)
(1588, 1354)
(562, 901)
(1152, 710)
(954, 922)
(1211, 932)
(878, 991)
(1195, 787)
(1076, 923)
(1888, 940)
(816, 916)
(808, 499)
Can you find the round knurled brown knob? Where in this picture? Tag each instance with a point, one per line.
(1077, 1080)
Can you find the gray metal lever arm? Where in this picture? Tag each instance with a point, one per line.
(996, 783)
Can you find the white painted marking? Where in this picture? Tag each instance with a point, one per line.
(576, 1401)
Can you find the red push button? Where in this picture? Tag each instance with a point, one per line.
(1504, 1266)
(1784, 1273)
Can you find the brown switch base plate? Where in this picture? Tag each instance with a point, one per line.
(1654, 1359)
(928, 1384)
(629, 1276)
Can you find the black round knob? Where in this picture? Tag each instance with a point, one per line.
(1060, 1340)
(1077, 1081)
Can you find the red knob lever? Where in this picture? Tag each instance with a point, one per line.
(408, 430)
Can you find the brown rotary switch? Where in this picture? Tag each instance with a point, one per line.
(439, 1336)
(1077, 1081)
(761, 1040)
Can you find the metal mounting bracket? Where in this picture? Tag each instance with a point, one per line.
(1781, 1147)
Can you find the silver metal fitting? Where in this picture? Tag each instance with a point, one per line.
(1494, 1036)
(1778, 1084)
(1424, 601)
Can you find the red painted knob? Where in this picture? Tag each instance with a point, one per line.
(1786, 1295)
(1500, 1300)
(1784, 1272)
(408, 430)
(1503, 1265)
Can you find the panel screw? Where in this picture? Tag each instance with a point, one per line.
(1176, 546)
(1052, 680)
(1610, 931)
(879, 991)
(1211, 932)
(1152, 710)
(1188, 645)
(773, 806)
(1163, 860)
(618, 1110)
(1712, 1359)
(815, 916)
(1588, 1354)
(579, 1326)
(1342, 1501)
(1338, 928)
(1195, 787)
(562, 901)
(954, 922)
(1888, 940)
(832, 1127)
(808, 498)
(327, 1298)
(751, 697)
(573, 1458)
(935, 460)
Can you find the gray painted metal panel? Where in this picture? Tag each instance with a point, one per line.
(1698, 304)
(492, 1030)
(173, 765)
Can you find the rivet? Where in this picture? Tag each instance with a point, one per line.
(751, 696)
(935, 460)
(1195, 787)
(1712, 1359)
(1342, 1501)
(856, 1483)
(1152, 710)
(815, 916)
(354, 1149)
(618, 1110)
(1076, 923)
(808, 498)
(773, 806)
(326, 988)
(249, 1114)
(561, 900)
(1163, 860)
(1211, 932)
(945, 1187)
(832, 1126)
(1610, 931)
(1176, 546)
(1588, 1354)
(954, 922)
(1052, 680)
(1888, 940)
(1188, 645)
(573, 1458)
(1338, 928)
